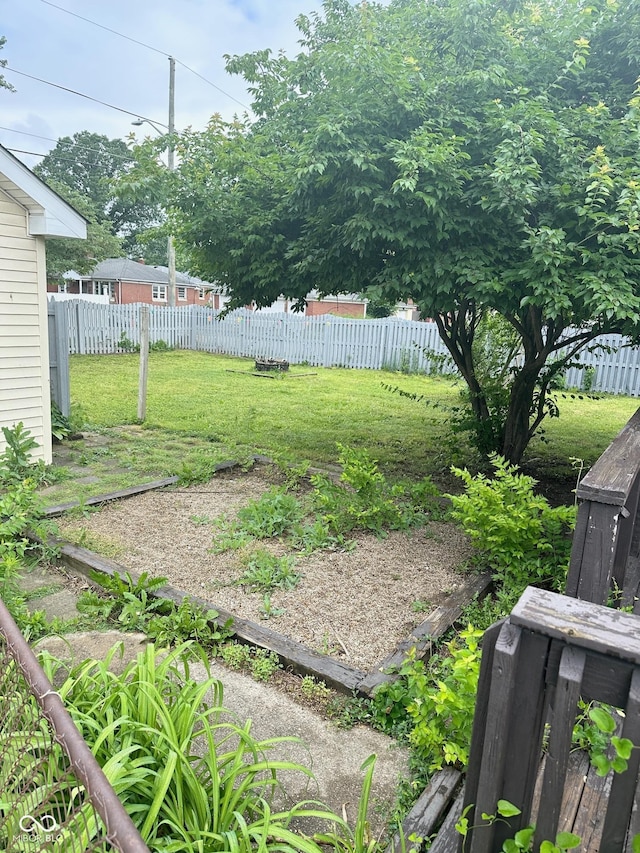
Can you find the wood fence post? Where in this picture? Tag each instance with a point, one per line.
(144, 362)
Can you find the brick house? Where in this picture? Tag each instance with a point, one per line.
(122, 281)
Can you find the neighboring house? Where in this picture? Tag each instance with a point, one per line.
(29, 212)
(343, 305)
(125, 282)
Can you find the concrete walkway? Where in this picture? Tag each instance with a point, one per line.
(335, 756)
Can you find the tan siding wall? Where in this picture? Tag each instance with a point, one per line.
(24, 358)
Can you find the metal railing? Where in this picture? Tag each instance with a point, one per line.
(54, 795)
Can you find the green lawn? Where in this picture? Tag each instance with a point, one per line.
(198, 404)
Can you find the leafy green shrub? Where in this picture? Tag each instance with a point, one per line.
(432, 704)
(518, 535)
(364, 500)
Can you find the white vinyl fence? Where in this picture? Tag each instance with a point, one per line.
(324, 341)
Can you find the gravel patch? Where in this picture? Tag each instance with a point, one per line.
(353, 605)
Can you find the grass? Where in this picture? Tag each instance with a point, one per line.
(199, 413)
(193, 395)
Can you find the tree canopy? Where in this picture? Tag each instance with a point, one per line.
(87, 167)
(475, 156)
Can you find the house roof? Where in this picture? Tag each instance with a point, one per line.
(49, 214)
(124, 269)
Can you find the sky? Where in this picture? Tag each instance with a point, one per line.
(46, 42)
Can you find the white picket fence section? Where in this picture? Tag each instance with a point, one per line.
(323, 341)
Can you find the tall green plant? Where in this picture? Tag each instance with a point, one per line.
(191, 780)
(517, 534)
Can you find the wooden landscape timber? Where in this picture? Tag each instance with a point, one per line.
(292, 654)
(423, 636)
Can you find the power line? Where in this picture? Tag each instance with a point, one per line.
(51, 139)
(148, 46)
(108, 29)
(211, 84)
(81, 94)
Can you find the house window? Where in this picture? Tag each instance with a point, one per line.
(159, 292)
(182, 293)
(62, 288)
(202, 293)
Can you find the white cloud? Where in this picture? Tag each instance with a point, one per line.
(48, 43)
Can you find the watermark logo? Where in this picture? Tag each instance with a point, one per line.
(43, 828)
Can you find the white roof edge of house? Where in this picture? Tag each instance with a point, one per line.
(49, 214)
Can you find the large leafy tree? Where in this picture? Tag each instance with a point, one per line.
(90, 165)
(476, 156)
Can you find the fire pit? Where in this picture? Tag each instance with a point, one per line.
(265, 365)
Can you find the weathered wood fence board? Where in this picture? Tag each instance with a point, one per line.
(605, 557)
(588, 651)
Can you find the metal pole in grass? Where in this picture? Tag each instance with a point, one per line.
(144, 362)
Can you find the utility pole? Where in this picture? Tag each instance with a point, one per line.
(171, 252)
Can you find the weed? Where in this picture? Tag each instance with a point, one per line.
(260, 663)
(187, 621)
(60, 427)
(348, 711)
(432, 704)
(16, 463)
(265, 572)
(264, 664)
(316, 535)
(419, 606)
(272, 514)
(200, 520)
(236, 655)
(594, 731)
(311, 688)
(267, 610)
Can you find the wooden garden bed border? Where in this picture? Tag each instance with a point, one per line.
(293, 654)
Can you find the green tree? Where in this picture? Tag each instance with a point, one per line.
(476, 156)
(80, 255)
(3, 83)
(90, 165)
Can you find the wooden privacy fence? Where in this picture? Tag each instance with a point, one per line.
(605, 556)
(552, 651)
(324, 340)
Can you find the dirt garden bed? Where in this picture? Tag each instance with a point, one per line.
(355, 606)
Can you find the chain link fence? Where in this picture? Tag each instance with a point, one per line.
(54, 796)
